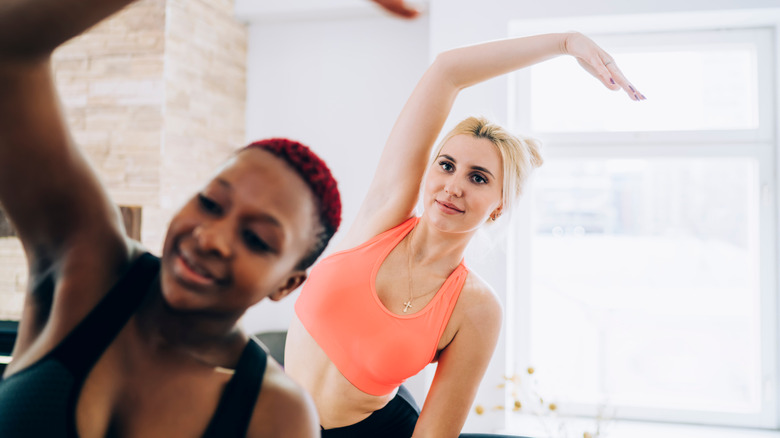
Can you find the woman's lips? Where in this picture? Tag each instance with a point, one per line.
(190, 272)
(448, 208)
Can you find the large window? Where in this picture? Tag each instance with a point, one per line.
(646, 262)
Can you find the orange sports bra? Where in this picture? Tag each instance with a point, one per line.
(375, 349)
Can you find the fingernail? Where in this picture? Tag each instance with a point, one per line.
(612, 80)
(643, 96)
(636, 97)
(632, 88)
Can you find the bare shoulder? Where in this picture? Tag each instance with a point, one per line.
(283, 408)
(477, 313)
(479, 300)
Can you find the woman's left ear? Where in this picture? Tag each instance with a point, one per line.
(293, 281)
(496, 213)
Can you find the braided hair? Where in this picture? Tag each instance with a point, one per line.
(317, 176)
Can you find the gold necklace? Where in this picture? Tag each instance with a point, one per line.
(198, 358)
(410, 252)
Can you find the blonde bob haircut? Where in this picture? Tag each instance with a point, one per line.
(519, 155)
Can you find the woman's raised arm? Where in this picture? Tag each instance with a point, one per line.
(61, 212)
(393, 193)
(34, 28)
(47, 188)
(398, 7)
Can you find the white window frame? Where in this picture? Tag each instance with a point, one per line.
(761, 144)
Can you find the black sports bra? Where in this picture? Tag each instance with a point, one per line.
(40, 401)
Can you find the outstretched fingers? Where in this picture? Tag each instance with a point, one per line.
(398, 7)
(598, 67)
(618, 78)
(600, 64)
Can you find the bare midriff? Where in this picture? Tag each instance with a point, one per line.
(339, 403)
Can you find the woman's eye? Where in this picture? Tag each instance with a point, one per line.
(479, 179)
(208, 205)
(446, 166)
(254, 242)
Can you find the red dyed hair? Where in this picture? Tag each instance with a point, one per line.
(317, 176)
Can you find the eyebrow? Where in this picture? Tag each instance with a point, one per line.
(261, 217)
(480, 168)
(223, 183)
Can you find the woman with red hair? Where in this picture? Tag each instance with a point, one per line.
(114, 341)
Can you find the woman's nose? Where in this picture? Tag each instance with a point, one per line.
(213, 237)
(452, 187)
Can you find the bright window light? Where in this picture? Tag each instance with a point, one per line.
(688, 88)
(644, 276)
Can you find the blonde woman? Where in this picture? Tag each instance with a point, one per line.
(396, 294)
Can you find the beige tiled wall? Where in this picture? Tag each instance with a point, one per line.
(155, 96)
(13, 278)
(205, 86)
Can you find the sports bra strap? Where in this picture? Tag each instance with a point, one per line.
(237, 403)
(84, 345)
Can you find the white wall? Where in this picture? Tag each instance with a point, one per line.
(336, 85)
(337, 81)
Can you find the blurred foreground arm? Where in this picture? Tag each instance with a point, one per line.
(34, 28)
(47, 188)
(398, 8)
(62, 213)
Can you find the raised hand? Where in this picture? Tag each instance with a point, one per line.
(398, 7)
(600, 64)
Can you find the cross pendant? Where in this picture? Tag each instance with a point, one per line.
(407, 305)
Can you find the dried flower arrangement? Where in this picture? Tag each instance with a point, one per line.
(527, 400)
